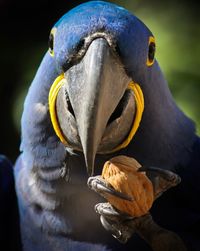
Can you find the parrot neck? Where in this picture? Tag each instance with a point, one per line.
(166, 135)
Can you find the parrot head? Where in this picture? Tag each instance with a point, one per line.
(105, 57)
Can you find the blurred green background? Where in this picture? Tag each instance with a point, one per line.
(24, 33)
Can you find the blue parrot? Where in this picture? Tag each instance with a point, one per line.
(98, 93)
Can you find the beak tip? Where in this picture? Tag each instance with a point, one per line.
(90, 170)
(89, 156)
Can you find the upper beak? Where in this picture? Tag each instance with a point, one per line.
(95, 86)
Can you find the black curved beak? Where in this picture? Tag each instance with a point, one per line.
(95, 86)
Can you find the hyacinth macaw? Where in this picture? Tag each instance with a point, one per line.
(99, 93)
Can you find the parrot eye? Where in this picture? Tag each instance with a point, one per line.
(51, 41)
(151, 51)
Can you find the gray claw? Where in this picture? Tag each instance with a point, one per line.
(110, 227)
(118, 231)
(99, 185)
(119, 224)
(173, 178)
(107, 210)
(162, 179)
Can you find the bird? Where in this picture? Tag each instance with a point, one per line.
(99, 93)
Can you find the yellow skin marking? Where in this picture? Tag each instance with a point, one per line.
(139, 99)
(150, 62)
(53, 32)
(57, 84)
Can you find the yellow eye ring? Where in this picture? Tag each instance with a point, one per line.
(151, 51)
(51, 41)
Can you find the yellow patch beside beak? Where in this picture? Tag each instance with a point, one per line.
(139, 99)
(57, 84)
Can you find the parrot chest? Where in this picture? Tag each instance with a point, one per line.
(72, 220)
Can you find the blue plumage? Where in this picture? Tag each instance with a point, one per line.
(57, 213)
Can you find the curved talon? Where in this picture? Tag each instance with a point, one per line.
(119, 237)
(101, 186)
(106, 224)
(115, 231)
(165, 174)
(107, 210)
(110, 227)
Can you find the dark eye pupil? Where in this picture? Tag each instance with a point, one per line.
(151, 53)
(51, 42)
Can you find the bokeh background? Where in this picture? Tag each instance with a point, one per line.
(24, 31)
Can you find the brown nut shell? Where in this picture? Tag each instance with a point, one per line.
(121, 173)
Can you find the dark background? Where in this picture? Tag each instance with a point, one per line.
(24, 31)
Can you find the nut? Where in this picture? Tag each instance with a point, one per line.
(122, 174)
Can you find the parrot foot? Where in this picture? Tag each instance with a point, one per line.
(99, 185)
(167, 175)
(161, 179)
(120, 225)
(112, 220)
(123, 226)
